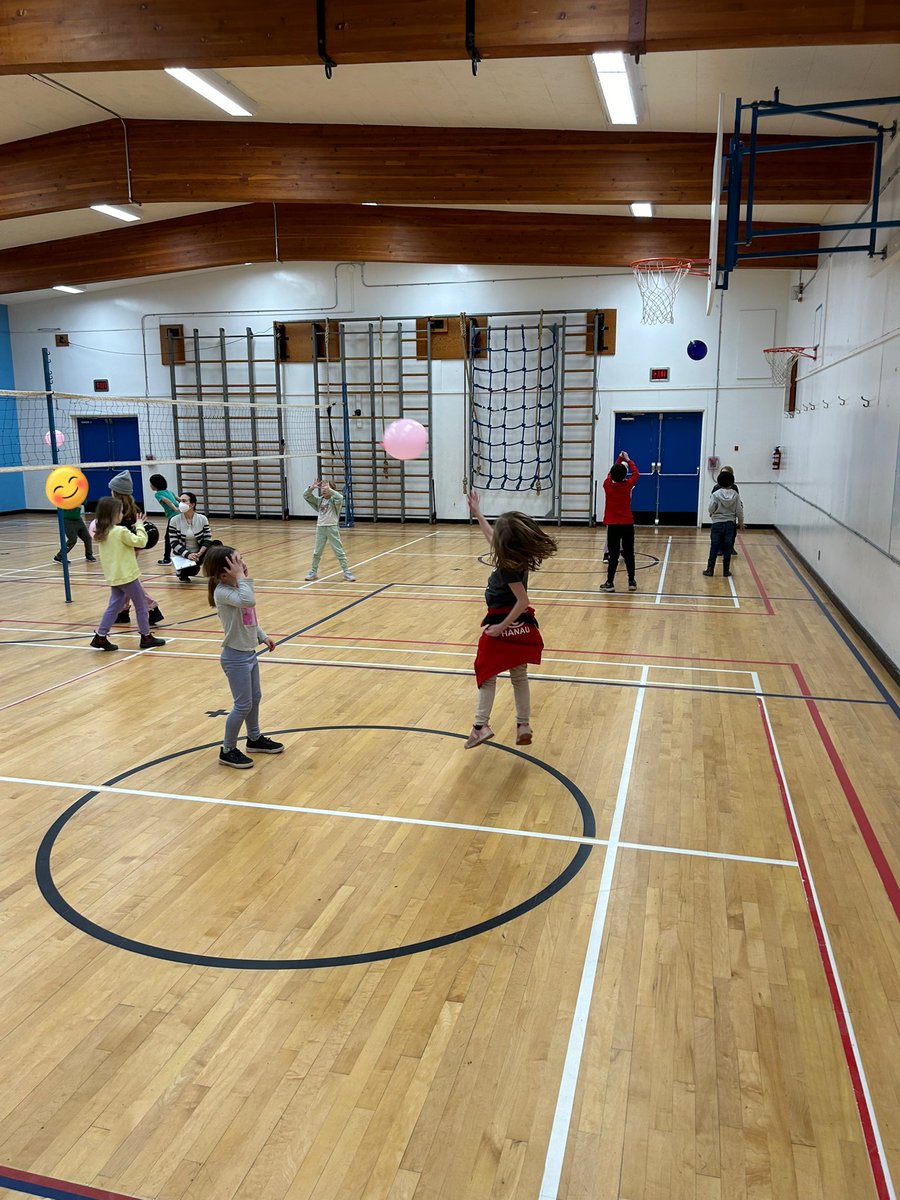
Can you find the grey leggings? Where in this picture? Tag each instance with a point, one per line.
(241, 668)
(521, 691)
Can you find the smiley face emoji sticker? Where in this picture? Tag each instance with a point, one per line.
(66, 487)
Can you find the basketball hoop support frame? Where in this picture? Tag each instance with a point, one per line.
(741, 232)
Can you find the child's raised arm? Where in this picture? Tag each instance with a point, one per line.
(475, 510)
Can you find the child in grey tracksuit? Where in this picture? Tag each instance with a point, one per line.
(327, 504)
(727, 514)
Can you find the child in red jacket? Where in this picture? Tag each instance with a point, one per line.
(618, 486)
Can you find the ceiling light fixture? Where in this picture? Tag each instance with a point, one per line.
(64, 287)
(641, 208)
(216, 90)
(370, 203)
(618, 85)
(121, 213)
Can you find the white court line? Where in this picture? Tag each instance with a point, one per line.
(662, 573)
(559, 596)
(737, 603)
(562, 1117)
(353, 815)
(356, 565)
(825, 942)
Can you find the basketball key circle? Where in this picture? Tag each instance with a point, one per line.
(54, 897)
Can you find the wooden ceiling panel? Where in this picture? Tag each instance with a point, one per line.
(74, 168)
(311, 232)
(57, 35)
(195, 161)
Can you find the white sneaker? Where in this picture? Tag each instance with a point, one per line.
(312, 575)
(350, 578)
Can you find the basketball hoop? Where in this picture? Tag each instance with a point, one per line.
(782, 358)
(659, 280)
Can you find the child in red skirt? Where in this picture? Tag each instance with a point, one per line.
(511, 638)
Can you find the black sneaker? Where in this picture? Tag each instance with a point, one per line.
(632, 585)
(102, 643)
(607, 587)
(149, 642)
(89, 558)
(234, 758)
(263, 745)
(726, 574)
(164, 562)
(708, 574)
(606, 557)
(155, 617)
(57, 558)
(124, 618)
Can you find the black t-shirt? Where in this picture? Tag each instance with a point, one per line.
(498, 593)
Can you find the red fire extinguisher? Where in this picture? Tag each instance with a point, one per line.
(776, 459)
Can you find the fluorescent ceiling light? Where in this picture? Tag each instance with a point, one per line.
(641, 208)
(370, 203)
(216, 90)
(113, 210)
(64, 287)
(618, 89)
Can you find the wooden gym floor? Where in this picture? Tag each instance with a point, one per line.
(654, 957)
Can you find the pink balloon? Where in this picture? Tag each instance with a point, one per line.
(405, 439)
(92, 529)
(60, 437)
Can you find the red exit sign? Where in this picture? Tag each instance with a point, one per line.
(659, 374)
(101, 385)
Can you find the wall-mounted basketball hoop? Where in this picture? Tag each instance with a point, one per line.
(658, 281)
(782, 358)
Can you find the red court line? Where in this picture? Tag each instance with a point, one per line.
(862, 1103)
(78, 1191)
(66, 682)
(337, 637)
(882, 866)
(756, 579)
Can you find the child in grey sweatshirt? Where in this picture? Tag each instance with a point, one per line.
(231, 591)
(727, 514)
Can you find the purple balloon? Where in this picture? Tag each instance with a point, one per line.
(697, 350)
(405, 439)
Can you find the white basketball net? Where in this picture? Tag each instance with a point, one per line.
(780, 360)
(659, 281)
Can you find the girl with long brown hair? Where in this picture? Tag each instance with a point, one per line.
(511, 638)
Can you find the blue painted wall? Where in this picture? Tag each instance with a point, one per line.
(12, 488)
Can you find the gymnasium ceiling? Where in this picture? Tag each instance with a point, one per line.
(518, 161)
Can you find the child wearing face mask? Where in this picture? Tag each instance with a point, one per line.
(190, 536)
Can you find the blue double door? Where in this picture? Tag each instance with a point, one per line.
(667, 448)
(109, 439)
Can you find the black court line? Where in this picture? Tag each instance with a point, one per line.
(538, 678)
(337, 613)
(53, 896)
(879, 686)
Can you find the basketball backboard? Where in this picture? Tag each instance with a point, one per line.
(717, 178)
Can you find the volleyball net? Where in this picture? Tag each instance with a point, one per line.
(149, 429)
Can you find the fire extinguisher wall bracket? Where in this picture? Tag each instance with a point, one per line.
(776, 459)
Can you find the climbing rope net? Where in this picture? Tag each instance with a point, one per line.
(513, 382)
